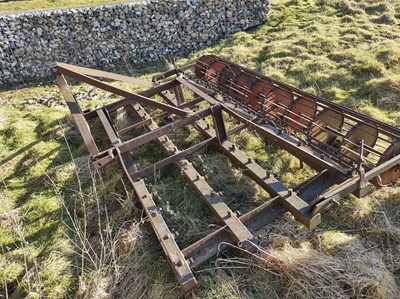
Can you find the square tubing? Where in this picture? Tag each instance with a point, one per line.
(180, 155)
(129, 96)
(179, 265)
(160, 131)
(213, 200)
(124, 102)
(76, 112)
(219, 124)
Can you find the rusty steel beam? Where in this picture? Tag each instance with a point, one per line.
(143, 123)
(157, 117)
(125, 102)
(169, 73)
(231, 89)
(180, 99)
(212, 199)
(165, 96)
(161, 131)
(275, 135)
(179, 264)
(175, 257)
(149, 170)
(129, 96)
(351, 185)
(106, 75)
(77, 114)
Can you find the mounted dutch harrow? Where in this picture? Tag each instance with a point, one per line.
(352, 153)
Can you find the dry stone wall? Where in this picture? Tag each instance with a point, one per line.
(109, 36)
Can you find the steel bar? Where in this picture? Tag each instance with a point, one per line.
(124, 102)
(111, 132)
(142, 123)
(219, 124)
(129, 96)
(213, 200)
(169, 73)
(179, 265)
(166, 97)
(160, 116)
(351, 185)
(166, 74)
(164, 130)
(149, 170)
(179, 95)
(363, 151)
(107, 75)
(76, 112)
(175, 257)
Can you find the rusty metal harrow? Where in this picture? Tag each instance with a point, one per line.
(352, 153)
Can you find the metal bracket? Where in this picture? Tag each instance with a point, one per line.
(219, 123)
(102, 159)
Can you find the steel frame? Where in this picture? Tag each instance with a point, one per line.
(306, 201)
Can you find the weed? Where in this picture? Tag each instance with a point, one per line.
(86, 234)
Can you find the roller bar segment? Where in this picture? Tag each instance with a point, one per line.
(334, 130)
(203, 64)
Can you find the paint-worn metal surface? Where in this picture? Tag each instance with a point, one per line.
(351, 152)
(334, 130)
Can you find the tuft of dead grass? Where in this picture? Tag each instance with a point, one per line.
(301, 271)
(386, 92)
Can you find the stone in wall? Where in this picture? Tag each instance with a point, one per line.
(109, 36)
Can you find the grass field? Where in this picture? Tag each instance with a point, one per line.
(14, 6)
(67, 232)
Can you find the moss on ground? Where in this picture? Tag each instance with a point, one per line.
(344, 50)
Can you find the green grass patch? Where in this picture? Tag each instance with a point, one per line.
(53, 206)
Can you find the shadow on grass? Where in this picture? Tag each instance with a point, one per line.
(32, 195)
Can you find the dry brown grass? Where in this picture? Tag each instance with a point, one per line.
(345, 50)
